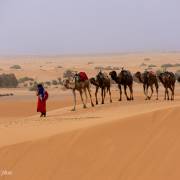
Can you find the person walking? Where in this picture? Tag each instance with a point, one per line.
(42, 98)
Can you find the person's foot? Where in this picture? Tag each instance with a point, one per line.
(43, 114)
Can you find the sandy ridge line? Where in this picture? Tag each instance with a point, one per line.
(33, 134)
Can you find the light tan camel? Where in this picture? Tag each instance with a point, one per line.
(81, 86)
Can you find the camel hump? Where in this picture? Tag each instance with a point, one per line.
(83, 76)
(102, 75)
(126, 72)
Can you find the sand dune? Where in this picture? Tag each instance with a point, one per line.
(136, 140)
(144, 146)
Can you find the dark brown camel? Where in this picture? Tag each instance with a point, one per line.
(148, 79)
(102, 81)
(178, 79)
(125, 79)
(168, 80)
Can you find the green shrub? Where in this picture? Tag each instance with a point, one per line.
(59, 67)
(152, 65)
(24, 79)
(147, 59)
(48, 83)
(15, 67)
(8, 81)
(54, 82)
(69, 74)
(143, 65)
(33, 87)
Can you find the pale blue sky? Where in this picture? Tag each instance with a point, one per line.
(88, 26)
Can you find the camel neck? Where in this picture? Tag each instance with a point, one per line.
(140, 79)
(116, 79)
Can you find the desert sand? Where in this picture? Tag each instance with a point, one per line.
(124, 140)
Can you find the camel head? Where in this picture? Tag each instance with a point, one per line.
(93, 81)
(76, 78)
(138, 74)
(68, 83)
(113, 75)
(100, 75)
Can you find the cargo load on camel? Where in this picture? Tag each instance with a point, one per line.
(82, 76)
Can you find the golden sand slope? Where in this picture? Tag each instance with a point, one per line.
(139, 147)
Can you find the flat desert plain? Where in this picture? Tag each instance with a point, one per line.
(137, 140)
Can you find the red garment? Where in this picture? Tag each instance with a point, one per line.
(41, 104)
(83, 76)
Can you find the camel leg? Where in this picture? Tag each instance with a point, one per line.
(97, 88)
(74, 95)
(120, 92)
(171, 88)
(146, 91)
(167, 93)
(125, 92)
(131, 92)
(89, 91)
(85, 92)
(152, 91)
(102, 95)
(109, 89)
(81, 93)
(144, 88)
(157, 91)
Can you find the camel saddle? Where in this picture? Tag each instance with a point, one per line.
(152, 73)
(82, 76)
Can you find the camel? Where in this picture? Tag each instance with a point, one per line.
(102, 81)
(125, 79)
(148, 79)
(81, 86)
(178, 79)
(168, 80)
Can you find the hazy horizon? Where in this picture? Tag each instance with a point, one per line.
(41, 27)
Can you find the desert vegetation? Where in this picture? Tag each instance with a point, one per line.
(33, 87)
(15, 67)
(59, 67)
(90, 62)
(25, 79)
(143, 65)
(147, 59)
(69, 73)
(7, 94)
(54, 82)
(152, 66)
(108, 68)
(170, 65)
(8, 81)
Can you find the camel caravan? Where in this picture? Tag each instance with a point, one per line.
(124, 79)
